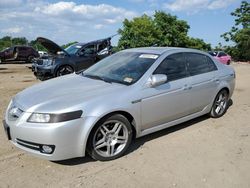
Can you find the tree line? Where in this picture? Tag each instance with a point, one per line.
(163, 29)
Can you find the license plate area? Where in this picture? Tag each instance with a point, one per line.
(7, 130)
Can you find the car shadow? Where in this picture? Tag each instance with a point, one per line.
(139, 142)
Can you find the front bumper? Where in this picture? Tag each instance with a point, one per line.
(68, 139)
(42, 72)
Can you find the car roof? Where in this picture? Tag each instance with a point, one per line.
(162, 50)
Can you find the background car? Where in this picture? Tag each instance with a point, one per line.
(19, 53)
(129, 94)
(221, 57)
(75, 58)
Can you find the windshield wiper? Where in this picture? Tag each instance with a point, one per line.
(97, 78)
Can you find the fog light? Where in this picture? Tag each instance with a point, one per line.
(47, 149)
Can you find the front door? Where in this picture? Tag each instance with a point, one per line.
(86, 57)
(169, 101)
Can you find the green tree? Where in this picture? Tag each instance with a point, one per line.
(140, 31)
(197, 43)
(173, 32)
(162, 30)
(36, 45)
(240, 33)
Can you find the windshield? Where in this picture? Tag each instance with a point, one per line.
(122, 67)
(72, 49)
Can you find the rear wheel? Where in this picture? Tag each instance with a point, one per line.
(110, 138)
(220, 104)
(63, 70)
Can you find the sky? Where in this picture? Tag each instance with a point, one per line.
(86, 20)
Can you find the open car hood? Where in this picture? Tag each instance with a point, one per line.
(52, 47)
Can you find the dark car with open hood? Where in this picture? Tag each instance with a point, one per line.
(74, 58)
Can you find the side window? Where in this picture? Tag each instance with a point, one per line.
(198, 64)
(173, 66)
(102, 46)
(89, 50)
(211, 64)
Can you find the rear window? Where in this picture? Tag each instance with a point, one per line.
(199, 64)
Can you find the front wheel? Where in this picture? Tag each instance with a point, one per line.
(63, 70)
(110, 138)
(220, 104)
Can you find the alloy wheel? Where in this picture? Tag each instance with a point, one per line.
(220, 104)
(110, 138)
(64, 70)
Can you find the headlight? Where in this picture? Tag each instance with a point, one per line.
(54, 118)
(48, 62)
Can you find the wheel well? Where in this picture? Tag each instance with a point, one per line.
(63, 66)
(225, 88)
(127, 115)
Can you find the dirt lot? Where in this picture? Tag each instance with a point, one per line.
(201, 153)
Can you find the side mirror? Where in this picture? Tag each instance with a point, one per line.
(156, 80)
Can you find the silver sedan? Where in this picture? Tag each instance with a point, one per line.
(132, 93)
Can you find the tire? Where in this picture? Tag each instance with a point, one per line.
(63, 70)
(110, 138)
(220, 104)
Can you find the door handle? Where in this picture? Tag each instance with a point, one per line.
(186, 87)
(216, 80)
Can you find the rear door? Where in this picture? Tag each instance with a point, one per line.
(9, 53)
(169, 101)
(203, 81)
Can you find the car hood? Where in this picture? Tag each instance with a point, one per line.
(52, 47)
(63, 93)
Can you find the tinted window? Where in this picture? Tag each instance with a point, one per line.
(89, 49)
(199, 64)
(173, 66)
(211, 64)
